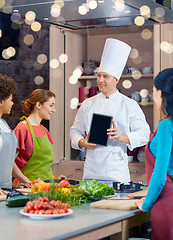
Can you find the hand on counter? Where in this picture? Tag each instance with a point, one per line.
(21, 185)
(83, 143)
(139, 204)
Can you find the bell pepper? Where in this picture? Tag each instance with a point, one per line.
(64, 183)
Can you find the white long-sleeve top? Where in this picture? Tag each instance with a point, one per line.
(110, 162)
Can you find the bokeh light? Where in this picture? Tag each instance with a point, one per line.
(35, 26)
(63, 58)
(2, 3)
(10, 51)
(92, 4)
(30, 16)
(134, 53)
(77, 72)
(145, 11)
(15, 17)
(55, 10)
(166, 47)
(127, 84)
(38, 80)
(119, 5)
(139, 21)
(4, 54)
(144, 93)
(7, 9)
(146, 34)
(136, 75)
(42, 58)
(54, 63)
(159, 12)
(74, 103)
(29, 39)
(82, 10)
(73, 79)
(59, 2)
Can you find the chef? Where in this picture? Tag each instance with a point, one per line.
(129, 127)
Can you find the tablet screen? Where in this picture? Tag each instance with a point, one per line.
(98, 129)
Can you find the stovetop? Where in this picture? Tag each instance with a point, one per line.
(127, 187)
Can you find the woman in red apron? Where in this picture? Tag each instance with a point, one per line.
(35, 151)
(159, 162)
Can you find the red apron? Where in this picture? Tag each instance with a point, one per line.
(162, 210)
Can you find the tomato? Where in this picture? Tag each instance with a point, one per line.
(29, 203)
(61, 211)
(52, 202)
(29, 207)
(36, 207)
(49, 211)
(40, 199)
(58, 203)
(56, 211)
(41, 212)
(45, 199)
(25, 209)
(65, 206)
(36, 211)
(32, 211)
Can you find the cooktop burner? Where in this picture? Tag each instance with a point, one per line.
(127, 187)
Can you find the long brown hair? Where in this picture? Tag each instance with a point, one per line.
(38, 95)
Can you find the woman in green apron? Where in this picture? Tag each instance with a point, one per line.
(8, 141)
(34, 148)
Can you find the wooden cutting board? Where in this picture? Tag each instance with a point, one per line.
(116, 204)
(138, 194)
(24, 190)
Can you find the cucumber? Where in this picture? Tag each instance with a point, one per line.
(17, 201)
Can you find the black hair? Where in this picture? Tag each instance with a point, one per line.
(164, 82)
(7, 87)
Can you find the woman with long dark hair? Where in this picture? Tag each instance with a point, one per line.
(159, 162)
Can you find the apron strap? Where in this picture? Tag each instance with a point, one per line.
(30, 126)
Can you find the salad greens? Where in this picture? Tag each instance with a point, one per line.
(83, 192)
(96, 189)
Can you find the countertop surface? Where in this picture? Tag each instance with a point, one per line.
(14, 226)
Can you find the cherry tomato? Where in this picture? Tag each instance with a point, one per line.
(61, 211)
(41, 212)
(49, 211)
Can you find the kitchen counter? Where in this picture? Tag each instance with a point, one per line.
(83, 223)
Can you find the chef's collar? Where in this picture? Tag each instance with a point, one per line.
(112, 96)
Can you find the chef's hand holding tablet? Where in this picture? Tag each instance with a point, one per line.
(83, 143)
(114, 133)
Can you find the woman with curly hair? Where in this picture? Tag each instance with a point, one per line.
(159, 162)
(8, 141)
(35, 151)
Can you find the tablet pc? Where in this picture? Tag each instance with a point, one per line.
(98, 129)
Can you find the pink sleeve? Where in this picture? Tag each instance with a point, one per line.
(21, 135)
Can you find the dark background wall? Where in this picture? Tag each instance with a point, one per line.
(25, 68)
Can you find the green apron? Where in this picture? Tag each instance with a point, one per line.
(39, 164)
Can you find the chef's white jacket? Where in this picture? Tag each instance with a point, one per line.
(110, 162)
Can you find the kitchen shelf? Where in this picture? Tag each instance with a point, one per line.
(94, 77)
